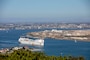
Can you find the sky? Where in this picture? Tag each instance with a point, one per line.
(44, 11)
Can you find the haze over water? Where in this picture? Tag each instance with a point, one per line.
(14, 11)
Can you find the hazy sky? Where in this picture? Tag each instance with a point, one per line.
(44, 11)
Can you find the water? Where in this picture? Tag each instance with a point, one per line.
(55, 47)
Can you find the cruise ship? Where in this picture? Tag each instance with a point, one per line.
(25, 40)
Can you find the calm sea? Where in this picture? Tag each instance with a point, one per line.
(55, 47)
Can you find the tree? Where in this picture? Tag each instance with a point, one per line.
(28, 55)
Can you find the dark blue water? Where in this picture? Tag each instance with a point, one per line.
(55, 47)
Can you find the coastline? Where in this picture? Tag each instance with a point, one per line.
(79, 35)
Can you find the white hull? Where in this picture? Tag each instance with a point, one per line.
(31, 42)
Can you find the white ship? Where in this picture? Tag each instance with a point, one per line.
(24, 40)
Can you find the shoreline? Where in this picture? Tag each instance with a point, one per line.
(79, 35)
(70, 40)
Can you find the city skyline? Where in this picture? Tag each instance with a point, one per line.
(44, 11)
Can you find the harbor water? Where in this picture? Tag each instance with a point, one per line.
(9, 38)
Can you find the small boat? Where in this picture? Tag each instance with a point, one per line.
(25, 40)
(75, 41)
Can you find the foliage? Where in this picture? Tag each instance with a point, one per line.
(28, 55)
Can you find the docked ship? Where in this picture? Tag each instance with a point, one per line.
(25, 40)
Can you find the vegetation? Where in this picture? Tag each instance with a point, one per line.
(28, 55)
